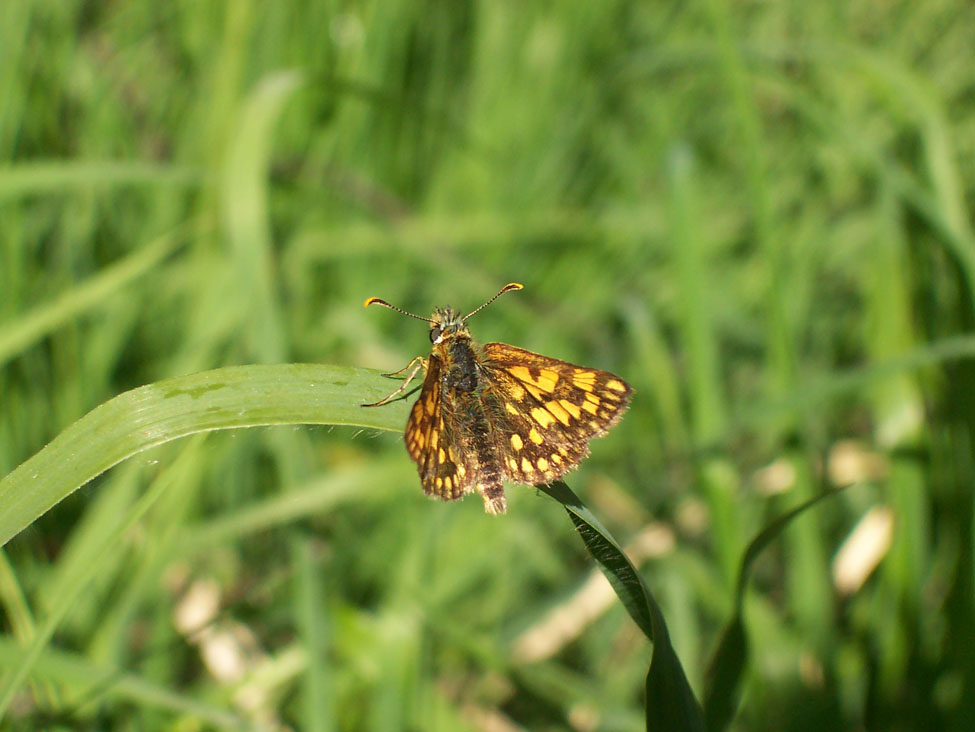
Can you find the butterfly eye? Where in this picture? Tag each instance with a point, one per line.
(435, 332)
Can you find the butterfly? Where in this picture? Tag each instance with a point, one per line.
(494, 413)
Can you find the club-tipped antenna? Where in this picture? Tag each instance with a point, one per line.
(378, 301)
(507, 288)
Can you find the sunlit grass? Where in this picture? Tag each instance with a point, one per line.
(758, 215)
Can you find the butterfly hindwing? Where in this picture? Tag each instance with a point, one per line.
(545, 411)
(525, 454)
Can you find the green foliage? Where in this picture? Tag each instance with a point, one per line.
(757, 214)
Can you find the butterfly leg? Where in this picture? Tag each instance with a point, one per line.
(397, 373)
(417, 363)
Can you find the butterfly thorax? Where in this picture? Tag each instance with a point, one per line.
(453, 345)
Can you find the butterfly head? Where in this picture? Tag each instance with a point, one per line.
(446, 323)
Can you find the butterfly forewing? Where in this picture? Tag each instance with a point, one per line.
(432, 441)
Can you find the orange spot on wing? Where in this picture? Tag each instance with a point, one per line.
(570, 408)
(547, 380)
(558, 412)
(521, 373)
(542, 416)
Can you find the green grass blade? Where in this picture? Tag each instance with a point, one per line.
(58, 176)
(730, 657)
(313, 623)
(706, 395)
(724, 675)
(670, 703)
(245, 212)
(821, 391)
(243, 396)
(34, 325)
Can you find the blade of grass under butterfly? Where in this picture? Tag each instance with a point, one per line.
(241, 396)
(670, 703)
(728, 662)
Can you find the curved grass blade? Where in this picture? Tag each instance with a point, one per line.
(227, 398)
(724, 673)
(244, 396)
(670, 703)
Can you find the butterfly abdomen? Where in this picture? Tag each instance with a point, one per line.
(461, 383)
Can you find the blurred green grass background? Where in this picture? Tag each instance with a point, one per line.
(757, 213)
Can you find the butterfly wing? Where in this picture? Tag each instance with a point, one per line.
(543, 411)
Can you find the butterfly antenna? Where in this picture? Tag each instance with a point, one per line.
(377, 301)
(507, 288)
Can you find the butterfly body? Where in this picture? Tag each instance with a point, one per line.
(492, 413)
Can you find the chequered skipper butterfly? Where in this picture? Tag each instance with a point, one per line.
(495, 413)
